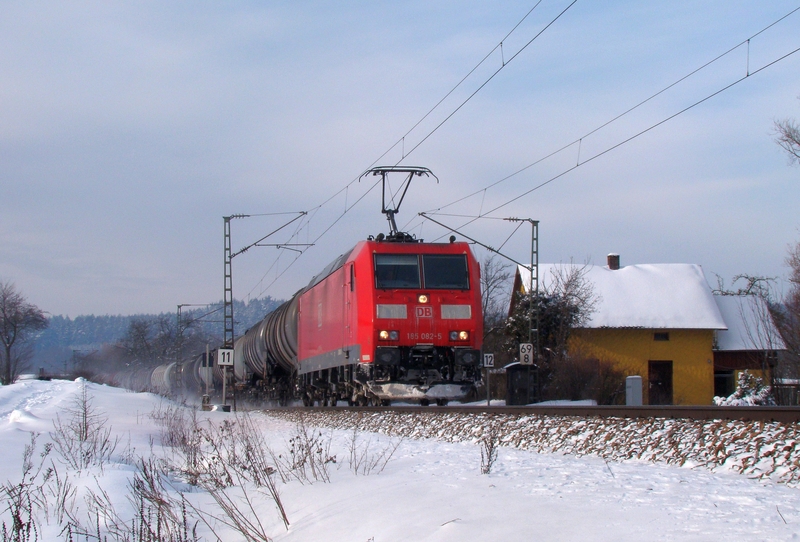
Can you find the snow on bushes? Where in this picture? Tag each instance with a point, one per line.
(750, 391)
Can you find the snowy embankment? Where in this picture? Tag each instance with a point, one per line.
(90, 462)
(755, 449)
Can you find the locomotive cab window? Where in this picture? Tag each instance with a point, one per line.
(445, 271)
(396, 271)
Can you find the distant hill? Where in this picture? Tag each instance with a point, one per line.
(55, 345)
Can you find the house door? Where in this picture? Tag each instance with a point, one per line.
(660, 380)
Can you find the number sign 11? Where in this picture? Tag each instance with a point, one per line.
(225, 357)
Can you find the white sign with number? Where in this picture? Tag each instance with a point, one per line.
(225, 357)
(526, 353)
(488, 360)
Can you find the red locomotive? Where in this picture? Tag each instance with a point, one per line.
(394, 318)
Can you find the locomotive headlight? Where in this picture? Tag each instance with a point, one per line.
(388, 335)
(459, 335)
(422, 298)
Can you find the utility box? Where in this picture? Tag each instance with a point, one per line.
(633, 391)
(522, 384)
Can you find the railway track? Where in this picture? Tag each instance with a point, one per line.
(764, 414)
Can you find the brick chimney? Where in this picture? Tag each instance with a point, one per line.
(613, 261)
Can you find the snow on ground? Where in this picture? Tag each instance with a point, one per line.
(429, 490)
(757, 449)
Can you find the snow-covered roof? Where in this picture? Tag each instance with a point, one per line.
(652, 296)
(750, 326)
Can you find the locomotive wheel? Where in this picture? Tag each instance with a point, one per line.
(441, 402)
(307, 400)
(424, 402)
(386, 402)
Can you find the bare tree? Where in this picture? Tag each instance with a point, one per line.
(496, 280)
(756, 310)
(19, 321)
(787, 135)
(769, 326)
(564, 303)
(151, 341)
(576, 297)
(787, 316)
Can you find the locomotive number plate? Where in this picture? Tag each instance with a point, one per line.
(424, 336)
(423, 311)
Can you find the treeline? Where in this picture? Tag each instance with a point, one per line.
(65, 337)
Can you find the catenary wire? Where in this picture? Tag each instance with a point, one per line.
(623, 142)
(616, 118)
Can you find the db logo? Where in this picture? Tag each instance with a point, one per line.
(424, 312)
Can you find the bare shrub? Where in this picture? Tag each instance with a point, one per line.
(57, 495)
(223, 461)
(181, 431)
(489, 443)
(41, 491)
(230, 462)
(364, 459)
(245, 451)
(83, 439)
(308, 457)
(158, 517)
(20, 500)
(240, 513)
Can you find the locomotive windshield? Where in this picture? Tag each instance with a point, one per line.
(440, 271)
(397, 271)
(445, 271)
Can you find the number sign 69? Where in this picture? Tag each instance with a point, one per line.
(526, 353)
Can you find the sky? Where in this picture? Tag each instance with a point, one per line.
(127, 131)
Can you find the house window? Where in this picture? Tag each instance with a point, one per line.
(661, 336)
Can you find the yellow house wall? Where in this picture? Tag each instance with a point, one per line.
(631, 349)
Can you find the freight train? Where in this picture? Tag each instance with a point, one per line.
(392, 319)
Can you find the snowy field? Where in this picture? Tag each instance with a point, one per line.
(418, 489)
